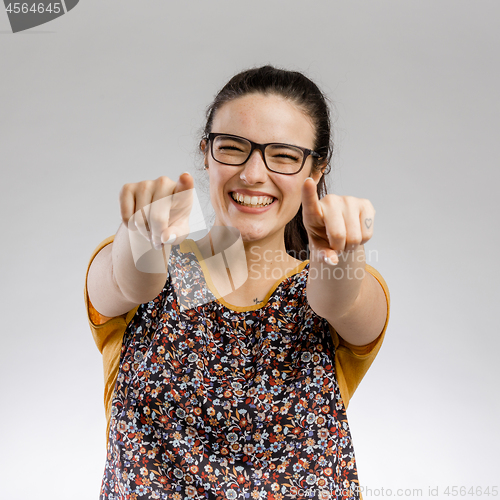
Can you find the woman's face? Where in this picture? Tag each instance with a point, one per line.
(262, 119)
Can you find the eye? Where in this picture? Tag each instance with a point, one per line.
(286, 156)
(229, 144)
(229, 147)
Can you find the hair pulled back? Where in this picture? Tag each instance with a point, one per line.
(305, 94)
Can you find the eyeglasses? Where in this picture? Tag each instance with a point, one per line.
(280, 158)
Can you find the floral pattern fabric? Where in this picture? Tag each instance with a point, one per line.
(213, 403)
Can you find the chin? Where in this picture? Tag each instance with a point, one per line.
(250, 231)
(250, 234)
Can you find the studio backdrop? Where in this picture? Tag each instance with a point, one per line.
(100, 94)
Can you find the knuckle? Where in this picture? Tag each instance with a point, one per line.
(355, 239)
(338, 235)
(159, 222)
(163, 181)
(334, 199)
(125, 189)
(144, 187)
(143, 191)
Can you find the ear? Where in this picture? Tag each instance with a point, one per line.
(325, 168)
(316, 173)
(203, 148)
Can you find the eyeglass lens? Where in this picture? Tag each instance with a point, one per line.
(279, 157)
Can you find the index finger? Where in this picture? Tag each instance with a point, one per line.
(184, 183)
(310, 199)
(180, 210)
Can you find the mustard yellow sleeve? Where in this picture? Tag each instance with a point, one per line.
(108, 336)
(352, 361)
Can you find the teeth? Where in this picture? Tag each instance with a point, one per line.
(253, 201)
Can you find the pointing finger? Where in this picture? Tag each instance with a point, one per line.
(310, 200)
(184, 183)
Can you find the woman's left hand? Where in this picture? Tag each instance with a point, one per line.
(335, 223)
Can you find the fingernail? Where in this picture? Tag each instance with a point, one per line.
(172, 238)
(329, 261)
(156, 245)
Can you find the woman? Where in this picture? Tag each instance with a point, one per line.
(240, 394)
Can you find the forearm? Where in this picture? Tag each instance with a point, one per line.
(348, 297)
(137, 285)
(332, 289)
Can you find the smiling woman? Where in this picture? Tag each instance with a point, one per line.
(241, 393)
(263, 119)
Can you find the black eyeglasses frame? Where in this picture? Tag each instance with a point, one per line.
(262, 147)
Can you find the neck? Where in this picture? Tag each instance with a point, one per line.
(264, 257)
(270, 252)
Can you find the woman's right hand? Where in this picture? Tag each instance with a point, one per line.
(158, 209)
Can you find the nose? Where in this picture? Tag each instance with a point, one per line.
(254, 169)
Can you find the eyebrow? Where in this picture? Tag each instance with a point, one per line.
(236, 137)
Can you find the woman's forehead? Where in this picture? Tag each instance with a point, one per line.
(265, 118)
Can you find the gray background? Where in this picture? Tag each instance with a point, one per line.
(115, 92)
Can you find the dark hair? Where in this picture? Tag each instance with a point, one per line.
(306, 95)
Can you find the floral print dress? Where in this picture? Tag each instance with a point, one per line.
(214, 403)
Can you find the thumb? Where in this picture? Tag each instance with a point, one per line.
(180, 210)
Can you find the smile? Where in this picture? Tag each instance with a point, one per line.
(252, 201)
